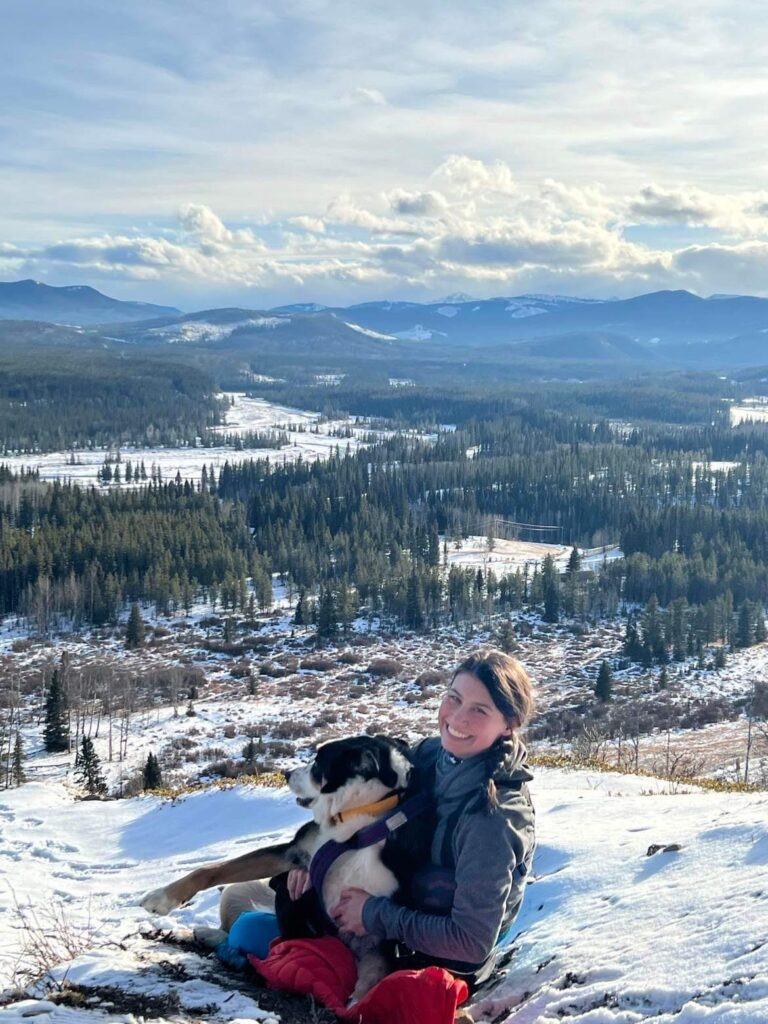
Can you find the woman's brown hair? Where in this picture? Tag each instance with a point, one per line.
(506, 681)
(511, 690)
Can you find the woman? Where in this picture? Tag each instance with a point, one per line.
(484, 839)
(483, 842)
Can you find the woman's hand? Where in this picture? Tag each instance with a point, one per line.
(348, 912)
(298, 882)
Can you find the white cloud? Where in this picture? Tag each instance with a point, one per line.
(467, 175)
(482, 232)
(201, 221)
(316, 224)
(417, 204)
(369, 97)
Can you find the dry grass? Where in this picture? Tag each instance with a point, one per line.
(49, 937)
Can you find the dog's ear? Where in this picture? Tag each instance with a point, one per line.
(344, 765)
(334, 776)
(396, 741)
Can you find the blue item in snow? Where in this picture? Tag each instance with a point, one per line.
(251, 933)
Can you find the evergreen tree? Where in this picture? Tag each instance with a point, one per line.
(134, 631)
(743, 636)
(604, 684)
(574, 561)
(663, 678)
(761, 633)
(550, 582)
(633, 647)
(414, 603)
(653, 636)
(56, 730)
(327, 617)
(88, 769)
(505, 637)
(250, 751)
(152, 777)
(346, 605)
(720, 657)
(301, 615)
(17, 762)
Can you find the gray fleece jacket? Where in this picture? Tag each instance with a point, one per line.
(488, 845)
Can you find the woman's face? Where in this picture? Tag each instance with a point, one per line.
(469, 720)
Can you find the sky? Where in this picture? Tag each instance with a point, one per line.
(234, 153)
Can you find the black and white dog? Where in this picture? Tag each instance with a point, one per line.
(350, 787)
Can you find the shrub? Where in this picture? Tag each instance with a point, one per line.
(242, 670)
(317, 663)
(431, 677)
(350, 658)
(268, 668)
(286, 730)
(385, 668)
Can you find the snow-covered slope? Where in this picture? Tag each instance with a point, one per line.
(609, 934)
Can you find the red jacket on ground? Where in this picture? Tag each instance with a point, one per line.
(325, 968)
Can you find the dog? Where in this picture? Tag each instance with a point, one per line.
(350, 784)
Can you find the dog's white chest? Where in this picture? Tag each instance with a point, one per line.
(360, 869)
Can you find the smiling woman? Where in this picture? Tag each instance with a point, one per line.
(462, 905)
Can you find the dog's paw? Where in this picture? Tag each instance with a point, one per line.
(209, 938)
(159, 901)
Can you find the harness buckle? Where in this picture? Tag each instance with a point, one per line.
(396, 820)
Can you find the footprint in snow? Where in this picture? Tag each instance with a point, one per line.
(44, 853)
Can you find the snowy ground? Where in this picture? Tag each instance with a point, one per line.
(246, 415)
(507, 556)
(608, 934)
(754, 409)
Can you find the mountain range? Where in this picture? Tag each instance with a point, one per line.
(74, 305)
(666, 328)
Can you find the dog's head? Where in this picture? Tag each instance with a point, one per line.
(350, 773)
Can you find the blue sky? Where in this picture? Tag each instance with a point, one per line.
(206, 153)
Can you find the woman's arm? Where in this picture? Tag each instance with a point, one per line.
(488, 849)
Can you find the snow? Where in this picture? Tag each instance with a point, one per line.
(519, 310)
(418, 333)
(448, 311)
(246, 415)
(716, 466)
(202, 330)
(508, 556)
(368, 332)
(608, 934)
(755, 409)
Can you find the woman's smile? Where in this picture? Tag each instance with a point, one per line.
(457, 735)
(469, 720)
